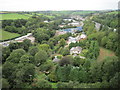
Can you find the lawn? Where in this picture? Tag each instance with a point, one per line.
(103, 53)
(54, 85)
(7, 35)
(13, 16)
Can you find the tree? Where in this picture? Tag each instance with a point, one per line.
(47, 66)
(5, 52)
(40, 57)
(77, 61)
(104, 41)
(74, 74)
(66, 60)
(7, 71)
(24, 74)
(5, 83)
(65, 51)
(42, 84)
(26, 59)
(33, 50)
(44, 47)
(26, 44)
(63, 72)
(62, 42)
(16, 55)
(10, 29)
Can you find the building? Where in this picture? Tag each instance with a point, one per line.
(75, 50)
(83, 36)
(46, 21)
(74, 24)
(67, 19)
(71, 40)
(56, 60)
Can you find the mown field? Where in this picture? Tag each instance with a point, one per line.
(13, 16)
(7, 35)
(104, 53)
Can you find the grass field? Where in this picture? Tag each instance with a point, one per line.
(13, 16)
(114, 12)
(103, 53)
(7, 35)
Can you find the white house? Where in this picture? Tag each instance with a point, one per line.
(75, 50)
(72, 40)
(56, 59)
(83, 36)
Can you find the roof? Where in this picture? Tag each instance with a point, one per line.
(56, 59)
(76, 48)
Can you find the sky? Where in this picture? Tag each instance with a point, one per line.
(40, 5)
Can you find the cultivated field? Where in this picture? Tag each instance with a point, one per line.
(7, 35)
(13, 16)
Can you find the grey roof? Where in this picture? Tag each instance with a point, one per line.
(56, 59)
(76, 48)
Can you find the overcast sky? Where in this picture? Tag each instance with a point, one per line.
(38, 5)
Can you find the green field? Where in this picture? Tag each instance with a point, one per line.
(13, 16)
(114, 12)
(104, 53)
(7, 35)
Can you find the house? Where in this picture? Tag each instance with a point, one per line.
(56, 59)
(83, 36)
(71, 40)
(74, 24)
(67, 19)
(46, 21)
(75, 50)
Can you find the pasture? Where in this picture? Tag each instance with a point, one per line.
(13, 16)
(104, 53)
(7, 35)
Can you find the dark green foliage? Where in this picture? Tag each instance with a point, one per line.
(66, 60)
(26, 44)
(5, 52)
(42, 84)
(16, 55)
(77, 61)
(40, 57)
(47, 66)
(33, 50)
(93, 50)
(63, 72)
(5, 83)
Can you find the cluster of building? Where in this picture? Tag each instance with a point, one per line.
(74, 51)
(76, 39)
(20, 39)
(68, 30)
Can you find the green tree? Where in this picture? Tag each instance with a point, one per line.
(16, 55)
(40, 57)
(33, 50)
(5, 83)
(74, 74)
(66, 60)
(62, 42)
(26, 44)
(42, 84)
